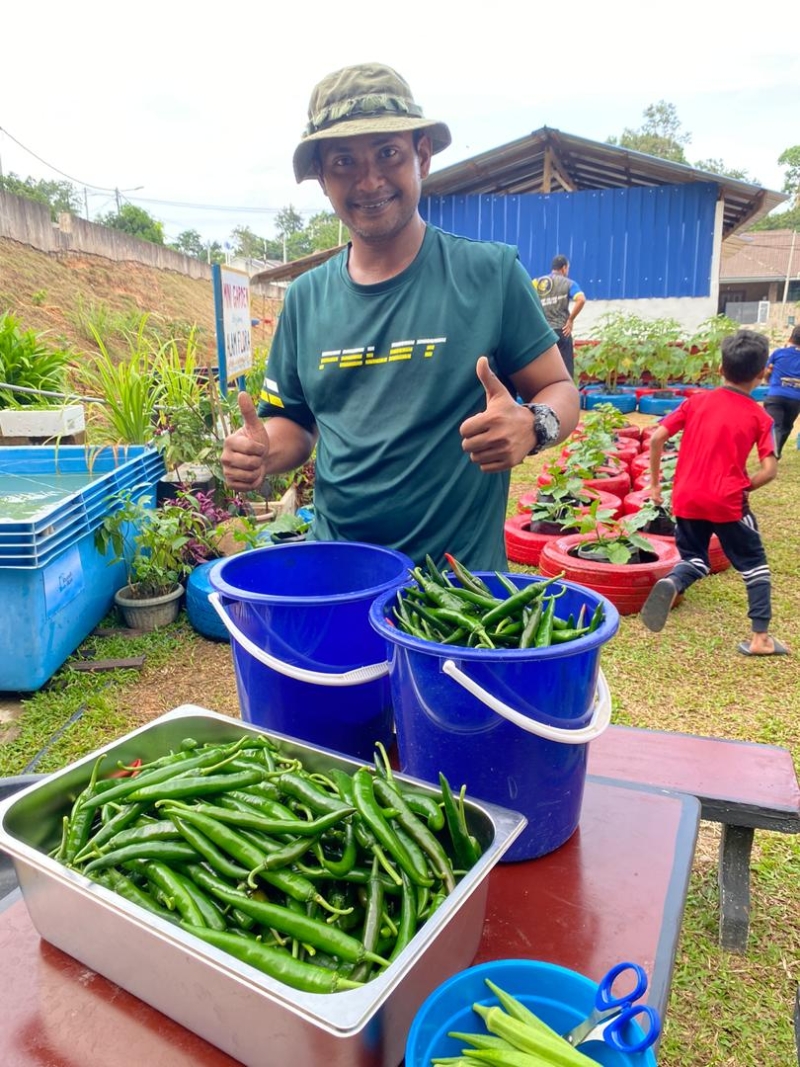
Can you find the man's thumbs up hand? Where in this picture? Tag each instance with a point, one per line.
(500, 436)
(244, 454)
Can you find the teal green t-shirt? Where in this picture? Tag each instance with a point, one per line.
(387, 374)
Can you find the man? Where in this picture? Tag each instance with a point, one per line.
(400, 358)
(562, 300)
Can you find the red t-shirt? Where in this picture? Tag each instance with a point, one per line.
(720, 429)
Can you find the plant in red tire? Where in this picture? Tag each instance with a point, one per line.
(545, 511)
(614, 559)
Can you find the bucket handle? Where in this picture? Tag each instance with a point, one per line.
(355, 677)
(601, 716)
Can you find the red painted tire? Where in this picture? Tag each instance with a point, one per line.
(640, 464)
(524, 545)
(627, 453)
(607, 500)
(634, 432)
(608, 480)
(627, 587)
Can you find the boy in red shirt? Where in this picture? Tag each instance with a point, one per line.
(711, 489)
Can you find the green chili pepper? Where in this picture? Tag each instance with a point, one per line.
(466, 578)
(276, 963)
(560, 636)
(319, 934)
(528, 635)
(544, 632)
(168, 851)
(266, 825)
(369, 809)
(388, 795)
(192, 786)
(466, 853)
(206, 848)
(518, 601)
(407, 926)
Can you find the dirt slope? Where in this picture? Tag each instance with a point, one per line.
(61, 292)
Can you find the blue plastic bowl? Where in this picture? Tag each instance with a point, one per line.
(560, 997)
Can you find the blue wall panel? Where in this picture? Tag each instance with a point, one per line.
(623, 244)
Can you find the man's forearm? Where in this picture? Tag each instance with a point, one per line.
(290, 445)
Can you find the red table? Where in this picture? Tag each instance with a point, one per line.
(615, 891)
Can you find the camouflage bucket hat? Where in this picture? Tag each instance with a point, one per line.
(367, 98)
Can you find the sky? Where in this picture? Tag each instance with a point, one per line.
(193, 111)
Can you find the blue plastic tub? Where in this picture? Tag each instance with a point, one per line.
(624, 402)
(51, 502)
(513, 725)
(307, 662)
(560, 997)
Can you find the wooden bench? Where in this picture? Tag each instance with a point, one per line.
(743, 785)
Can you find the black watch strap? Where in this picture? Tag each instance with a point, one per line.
(546, 425)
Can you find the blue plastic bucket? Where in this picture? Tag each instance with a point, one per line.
(307, 662)
(560, 997)
(513, 725)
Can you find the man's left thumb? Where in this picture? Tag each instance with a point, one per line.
(489, 380)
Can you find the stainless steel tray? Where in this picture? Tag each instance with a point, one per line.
(252, 1017)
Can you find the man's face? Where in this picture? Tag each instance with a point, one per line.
(374, 181)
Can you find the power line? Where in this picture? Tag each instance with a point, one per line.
(220, 207)
(88, 185)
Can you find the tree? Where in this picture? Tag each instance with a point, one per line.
(59, 196)
(288, 222)
(247, 244)
(658, 136)
(324, 231)
(136, 222)
(790, 159)
(717, 166)
(190, 243)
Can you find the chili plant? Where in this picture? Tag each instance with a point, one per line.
(615, 540)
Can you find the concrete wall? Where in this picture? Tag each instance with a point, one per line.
(29, 223)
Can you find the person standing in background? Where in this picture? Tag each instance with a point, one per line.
(782, 401)
(562, 301)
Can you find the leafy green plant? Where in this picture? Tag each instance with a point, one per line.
(661, 353)
(150, 541)
(704, 350)
(90, 318)
(617, 353)
(129, 389)
(28, 362)
(556, 501)
(38, 298)
(613, 540)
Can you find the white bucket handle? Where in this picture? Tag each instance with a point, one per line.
(355, 677)
(601, 716)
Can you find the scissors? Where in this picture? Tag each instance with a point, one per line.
(612, 1013)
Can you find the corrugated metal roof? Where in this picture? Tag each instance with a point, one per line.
(762, 255)
(285, 272)
(548, 160)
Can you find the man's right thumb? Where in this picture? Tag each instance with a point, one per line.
(252, 423)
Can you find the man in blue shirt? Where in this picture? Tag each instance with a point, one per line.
(562, 301)
(782, 401)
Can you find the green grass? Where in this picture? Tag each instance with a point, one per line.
(725, 1010)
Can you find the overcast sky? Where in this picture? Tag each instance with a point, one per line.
(202, 105)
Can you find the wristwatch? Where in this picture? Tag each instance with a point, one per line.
(546, 426)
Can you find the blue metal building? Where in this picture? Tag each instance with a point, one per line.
(642, 234)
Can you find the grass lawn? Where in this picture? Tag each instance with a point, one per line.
(725, 1010)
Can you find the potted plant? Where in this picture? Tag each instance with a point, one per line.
(152, 542)
(33, 387)
(611, 556)
(542, 514)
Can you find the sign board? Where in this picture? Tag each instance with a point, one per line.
(232, 308)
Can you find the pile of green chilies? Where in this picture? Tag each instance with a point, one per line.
(456, 607)
(318, 879)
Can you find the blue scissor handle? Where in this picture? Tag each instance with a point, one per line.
(606, 999)
(613, 1032)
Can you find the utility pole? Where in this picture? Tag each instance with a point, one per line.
(788, 271)
(116, 193)
(86, 202)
